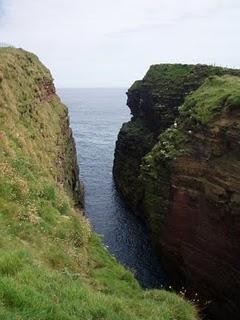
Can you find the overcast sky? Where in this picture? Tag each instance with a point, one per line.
(111, 43)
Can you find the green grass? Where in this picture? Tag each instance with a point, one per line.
(168, 72)
(217, 95)
(52, 266)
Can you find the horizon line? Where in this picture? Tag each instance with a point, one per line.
(88, 87)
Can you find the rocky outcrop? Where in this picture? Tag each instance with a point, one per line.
(154, 103)
(188, 184)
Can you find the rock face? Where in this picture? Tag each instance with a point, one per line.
(179, 169)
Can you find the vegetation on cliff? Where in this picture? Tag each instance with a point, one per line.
(137, 139)
(217, 95)
(216, 98)
(52, 266)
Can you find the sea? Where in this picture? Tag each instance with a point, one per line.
(96, 116)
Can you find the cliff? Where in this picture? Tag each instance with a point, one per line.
(52, 266)
(37, 122)
(181, 174)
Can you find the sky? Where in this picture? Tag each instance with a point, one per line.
(112, 43)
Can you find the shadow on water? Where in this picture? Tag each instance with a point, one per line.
(96, 117)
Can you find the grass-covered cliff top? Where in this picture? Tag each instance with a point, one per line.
(52, 266)
(217, 95)
(160, 73)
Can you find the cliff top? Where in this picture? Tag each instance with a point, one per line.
(14, 61)
(164, 88)
(159, 74)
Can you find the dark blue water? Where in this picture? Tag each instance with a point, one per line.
(96, 117)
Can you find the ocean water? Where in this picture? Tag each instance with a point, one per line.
(96, 115)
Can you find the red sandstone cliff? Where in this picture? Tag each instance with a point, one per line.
(188, 191)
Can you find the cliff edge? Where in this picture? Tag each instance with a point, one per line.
(177, 163)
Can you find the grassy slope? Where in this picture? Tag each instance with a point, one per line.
(215, 96)
(51, 265)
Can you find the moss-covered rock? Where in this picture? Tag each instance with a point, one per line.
(134, 141)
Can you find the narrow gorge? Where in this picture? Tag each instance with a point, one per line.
(177, 165)
(52, 265)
